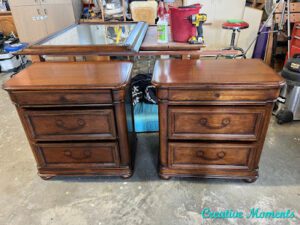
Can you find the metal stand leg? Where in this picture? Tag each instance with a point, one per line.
(241, 50)
(233, 47)
(289, 27)
(232, 44)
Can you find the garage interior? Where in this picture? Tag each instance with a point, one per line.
(160, 180)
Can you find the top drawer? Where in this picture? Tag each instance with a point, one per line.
(68, 125)
(216, 123)
(61, 98)
(222, 95)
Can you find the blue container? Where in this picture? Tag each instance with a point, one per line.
(14, 47)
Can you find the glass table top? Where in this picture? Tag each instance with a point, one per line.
(92, 34)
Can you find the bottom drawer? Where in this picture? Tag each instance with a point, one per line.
(191, 155)
(61, 155)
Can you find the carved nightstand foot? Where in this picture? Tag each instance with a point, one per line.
(46, 177)
(127, 176)
(165, 177)
(250, 180)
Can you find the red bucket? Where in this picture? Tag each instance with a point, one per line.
(181, 28)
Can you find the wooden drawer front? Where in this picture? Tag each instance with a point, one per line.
(61, 98)
(71, 124)
(222, 95)
(215, 123)
(80, 154)
(204, 154)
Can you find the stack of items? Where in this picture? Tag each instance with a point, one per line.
(91, 11)
(115, 9)
(145, 104)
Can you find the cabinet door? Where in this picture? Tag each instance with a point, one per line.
(58, 17)
(23, 2)
(30, 23)
(46, 2)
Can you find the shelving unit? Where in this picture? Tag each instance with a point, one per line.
(259, 4)
(102, 18)
(295, 12)
(7, 24)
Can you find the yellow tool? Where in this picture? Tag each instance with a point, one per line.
(92, 13)
(118, 32)
(198, 20)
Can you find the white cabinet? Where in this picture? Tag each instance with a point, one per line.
(36, 19)
(56, 1)
(23, 2)
(29, 22)
(58, 16)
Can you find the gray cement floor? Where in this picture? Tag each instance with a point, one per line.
(143, 199)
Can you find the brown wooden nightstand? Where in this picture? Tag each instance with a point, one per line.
(77, 116)
(214, 116)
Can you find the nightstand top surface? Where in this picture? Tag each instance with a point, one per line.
(74, 75)
(239, 72)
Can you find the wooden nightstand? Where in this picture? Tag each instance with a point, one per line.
(214, 116)
(77, 116)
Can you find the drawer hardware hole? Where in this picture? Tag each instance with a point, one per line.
(61, 124)
(217, 95)
(219, 156)
(86, 154)
(63, 99)
(225, 122)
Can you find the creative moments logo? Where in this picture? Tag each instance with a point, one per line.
(254, 213)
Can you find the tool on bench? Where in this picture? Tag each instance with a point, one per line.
(181, 27)
(198, 20)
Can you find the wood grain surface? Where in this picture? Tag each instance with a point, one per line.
(214, 116)
(210, 72)
(73, 75)
(77, 117)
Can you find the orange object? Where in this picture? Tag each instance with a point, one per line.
(295, 42)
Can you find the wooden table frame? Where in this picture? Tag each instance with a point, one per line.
(132, 43)
(144, 45)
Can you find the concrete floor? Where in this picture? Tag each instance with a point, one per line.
(143, 199)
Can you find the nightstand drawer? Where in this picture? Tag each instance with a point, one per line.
(215, 123)
(78, 154)
(222, 95)
(191, 155)
(33, 98)
(54, 125)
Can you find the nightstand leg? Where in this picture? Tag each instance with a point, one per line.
(46, 177)
(250, 180)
